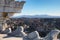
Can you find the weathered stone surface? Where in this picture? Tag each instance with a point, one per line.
(32, 36)
(9, 38)
(35, 36)
(52, 35)
(8, 30)
(18, 32)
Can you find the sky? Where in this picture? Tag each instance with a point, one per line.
(41, 7)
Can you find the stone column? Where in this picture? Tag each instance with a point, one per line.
(3, 17)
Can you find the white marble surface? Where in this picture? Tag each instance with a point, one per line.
(10, 38)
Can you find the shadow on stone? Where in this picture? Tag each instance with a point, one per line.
(17, 33)
(32, 36)
(52, 35)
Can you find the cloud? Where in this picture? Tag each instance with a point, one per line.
(54, 14)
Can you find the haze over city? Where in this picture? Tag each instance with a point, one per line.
(29, 19)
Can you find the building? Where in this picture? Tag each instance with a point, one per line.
(8, 8)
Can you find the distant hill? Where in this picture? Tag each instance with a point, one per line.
(36, 16)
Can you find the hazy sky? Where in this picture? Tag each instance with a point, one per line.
(41, 7)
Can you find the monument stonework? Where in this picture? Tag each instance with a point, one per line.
(8, 8)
